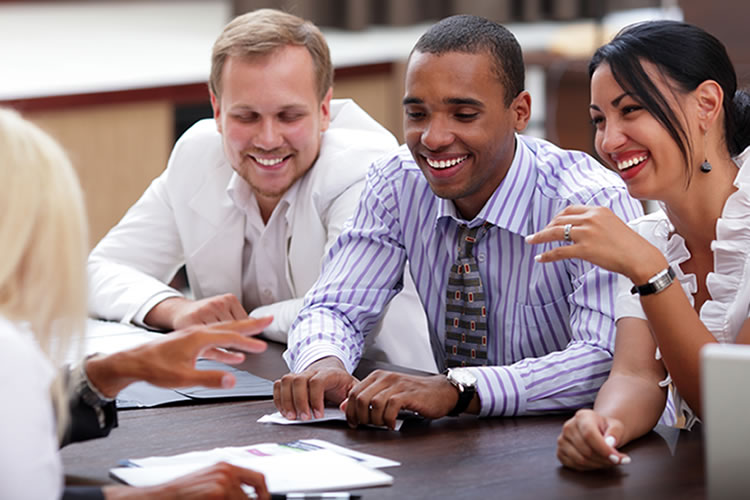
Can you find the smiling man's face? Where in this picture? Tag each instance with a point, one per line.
(271, 119)
(457, 126)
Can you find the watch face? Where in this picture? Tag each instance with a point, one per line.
(463, 376)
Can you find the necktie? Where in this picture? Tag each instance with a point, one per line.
(465, 310)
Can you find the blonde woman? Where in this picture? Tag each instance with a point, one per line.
(43, 305)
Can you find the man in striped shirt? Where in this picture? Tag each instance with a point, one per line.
(550, 329)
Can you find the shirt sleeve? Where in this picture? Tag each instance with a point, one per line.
(130, 267)
(362, 272)
(570, 378)
(91, 414)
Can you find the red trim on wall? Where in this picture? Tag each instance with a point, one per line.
(190, 93)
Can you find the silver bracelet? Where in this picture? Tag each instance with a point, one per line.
(659, 282)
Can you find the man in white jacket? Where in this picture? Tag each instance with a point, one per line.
(252, 200)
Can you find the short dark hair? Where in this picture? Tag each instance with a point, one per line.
(688, 56)
(473, 34)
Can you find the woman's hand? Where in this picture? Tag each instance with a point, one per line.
(170, 360)
(598, 236)
(588, 441)
(219, 481)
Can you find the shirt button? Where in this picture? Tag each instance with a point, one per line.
(267, 293)
(481, 257)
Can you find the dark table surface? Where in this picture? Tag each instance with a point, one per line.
(462, 457)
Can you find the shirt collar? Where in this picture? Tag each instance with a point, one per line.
(510, 204)
(243, 197)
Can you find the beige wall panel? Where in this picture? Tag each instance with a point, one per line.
(117, 151)
(376, 94)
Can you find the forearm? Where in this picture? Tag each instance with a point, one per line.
(635, 401)
(680, 335)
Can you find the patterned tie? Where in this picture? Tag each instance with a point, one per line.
(465, 311)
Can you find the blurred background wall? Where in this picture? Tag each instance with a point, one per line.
(117, 81)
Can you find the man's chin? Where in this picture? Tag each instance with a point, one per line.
(266, 192)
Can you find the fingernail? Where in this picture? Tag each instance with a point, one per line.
(227, 381)
(318, 413)
(538, 257)
(528, 238)
(625, 460)
(610, 440)
(305, 416)
(290, 415)
(614, 459)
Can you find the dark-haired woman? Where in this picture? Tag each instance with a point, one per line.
(669, 119)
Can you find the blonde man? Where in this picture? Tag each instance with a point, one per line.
(42, 306)
(253, 199)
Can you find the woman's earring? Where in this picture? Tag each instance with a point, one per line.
(705, 167)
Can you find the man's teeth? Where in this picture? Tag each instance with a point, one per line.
(268, 162)
(445, 163)
(622, 165)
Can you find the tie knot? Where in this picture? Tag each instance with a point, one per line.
(468, 237)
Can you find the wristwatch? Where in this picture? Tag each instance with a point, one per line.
(466, 383)
(660, 281)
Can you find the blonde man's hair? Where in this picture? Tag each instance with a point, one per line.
(44, 241)
(263, 31)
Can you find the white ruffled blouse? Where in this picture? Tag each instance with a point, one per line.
(728, 284)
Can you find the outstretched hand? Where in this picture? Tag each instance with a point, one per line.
(598, 236)
(170, 360)
(176, 313)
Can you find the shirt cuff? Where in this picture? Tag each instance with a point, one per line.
(141, 313)
(301, 360)
(501, 391)
(88, 392)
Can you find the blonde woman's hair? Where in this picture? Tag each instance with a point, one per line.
(263, 31)
(43, 240)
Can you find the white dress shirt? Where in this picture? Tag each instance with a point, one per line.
(264, 265)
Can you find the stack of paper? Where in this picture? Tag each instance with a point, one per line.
(299, 466)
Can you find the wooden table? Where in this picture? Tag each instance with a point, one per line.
(463, 457)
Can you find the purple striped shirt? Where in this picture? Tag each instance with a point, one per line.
(551, 329)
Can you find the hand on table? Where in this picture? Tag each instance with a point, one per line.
(382, 394)
(170, 360)
(598, 236)
(176, 313)
(588, 441)
(220, 481)
(303, 395)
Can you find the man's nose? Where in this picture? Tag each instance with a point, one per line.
(268, 137)
(437, 135)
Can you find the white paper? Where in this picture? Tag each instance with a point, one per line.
(331, 414)
(322, 470)
(228, 454)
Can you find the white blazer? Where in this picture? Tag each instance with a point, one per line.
(186, 217)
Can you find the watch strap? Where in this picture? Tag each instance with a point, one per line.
(659, 282)
(465, 395)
